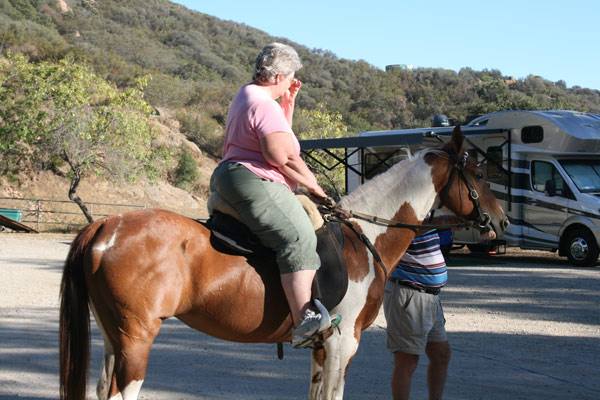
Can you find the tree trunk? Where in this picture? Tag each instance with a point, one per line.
(73, 188)
(75, 198)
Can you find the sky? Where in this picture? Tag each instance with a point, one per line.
(558, 40)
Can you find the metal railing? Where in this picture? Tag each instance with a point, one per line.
(46, 215)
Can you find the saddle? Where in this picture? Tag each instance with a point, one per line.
(230, 236)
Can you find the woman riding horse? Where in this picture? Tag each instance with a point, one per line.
(261, 166)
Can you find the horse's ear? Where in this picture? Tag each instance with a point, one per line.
(456, 143)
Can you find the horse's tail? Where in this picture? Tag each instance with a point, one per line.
(74, 330)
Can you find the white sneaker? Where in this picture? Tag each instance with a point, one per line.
(304, 333)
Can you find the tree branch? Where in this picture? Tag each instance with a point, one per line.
(73, 188)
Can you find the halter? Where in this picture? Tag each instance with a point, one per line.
(484, 221)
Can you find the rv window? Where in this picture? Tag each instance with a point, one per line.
(380, 161)
(584, 173)
(532, 134)
(546, 178)
(494, 160)
(473, 155)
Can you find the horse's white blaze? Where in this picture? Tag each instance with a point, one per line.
(130, 392)
(409, 182)
(110, 243)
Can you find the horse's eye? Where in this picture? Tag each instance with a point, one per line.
(479, 176)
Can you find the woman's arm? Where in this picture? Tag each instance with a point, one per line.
(278, 150)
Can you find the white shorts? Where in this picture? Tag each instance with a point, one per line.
(413, 319)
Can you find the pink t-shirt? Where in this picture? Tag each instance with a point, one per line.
(253, 114)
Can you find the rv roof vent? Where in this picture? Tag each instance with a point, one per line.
(532, 134)
(440, 120)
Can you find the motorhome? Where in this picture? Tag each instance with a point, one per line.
(544, 167)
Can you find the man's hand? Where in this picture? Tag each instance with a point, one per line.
(487, 235)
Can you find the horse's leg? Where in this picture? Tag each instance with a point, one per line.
(106, 375)
(108, 362)
(126, 352)
(316, 373)
(332, 362)
(135, 338)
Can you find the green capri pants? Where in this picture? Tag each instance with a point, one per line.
(272, 212)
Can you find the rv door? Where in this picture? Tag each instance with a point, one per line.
(547, 208)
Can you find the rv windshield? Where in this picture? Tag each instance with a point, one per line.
(584, 173)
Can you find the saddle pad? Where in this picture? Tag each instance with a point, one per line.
(331, 282)
(230, 236)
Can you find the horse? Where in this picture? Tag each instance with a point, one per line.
(137, 269)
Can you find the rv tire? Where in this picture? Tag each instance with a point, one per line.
(480, 248)
(581, 247)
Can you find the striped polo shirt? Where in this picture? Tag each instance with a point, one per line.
(423, 263)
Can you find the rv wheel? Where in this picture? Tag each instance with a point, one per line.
(581, 248)
(480, 248)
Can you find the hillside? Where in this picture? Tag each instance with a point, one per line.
(191, 65)
(198, 61)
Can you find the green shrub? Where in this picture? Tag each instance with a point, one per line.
(203, 130)
(187, 170)
(168, 91)
(160, 162)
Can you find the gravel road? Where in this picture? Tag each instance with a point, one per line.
(525, 325)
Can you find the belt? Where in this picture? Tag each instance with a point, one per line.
(428, 290)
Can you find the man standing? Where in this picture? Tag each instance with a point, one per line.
(415, 319)
(414, 314)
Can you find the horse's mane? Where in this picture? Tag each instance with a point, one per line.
(400, 178)
(380, 184)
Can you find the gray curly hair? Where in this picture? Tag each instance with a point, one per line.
(275, 58)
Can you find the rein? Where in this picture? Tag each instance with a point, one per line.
(339, 213)
(367, 243)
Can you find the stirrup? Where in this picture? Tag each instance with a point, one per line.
(317, 339)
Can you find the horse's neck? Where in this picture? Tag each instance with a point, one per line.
(404, 193)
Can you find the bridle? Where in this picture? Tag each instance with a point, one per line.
(483, 221)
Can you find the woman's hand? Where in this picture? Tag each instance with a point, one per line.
(288, 98)
(317, 191)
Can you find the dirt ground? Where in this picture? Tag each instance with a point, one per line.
(525, 325)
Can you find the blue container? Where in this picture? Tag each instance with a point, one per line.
(12, 213)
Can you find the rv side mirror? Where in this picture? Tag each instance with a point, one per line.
(550, 188)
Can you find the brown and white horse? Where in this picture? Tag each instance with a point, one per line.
(137, 269)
